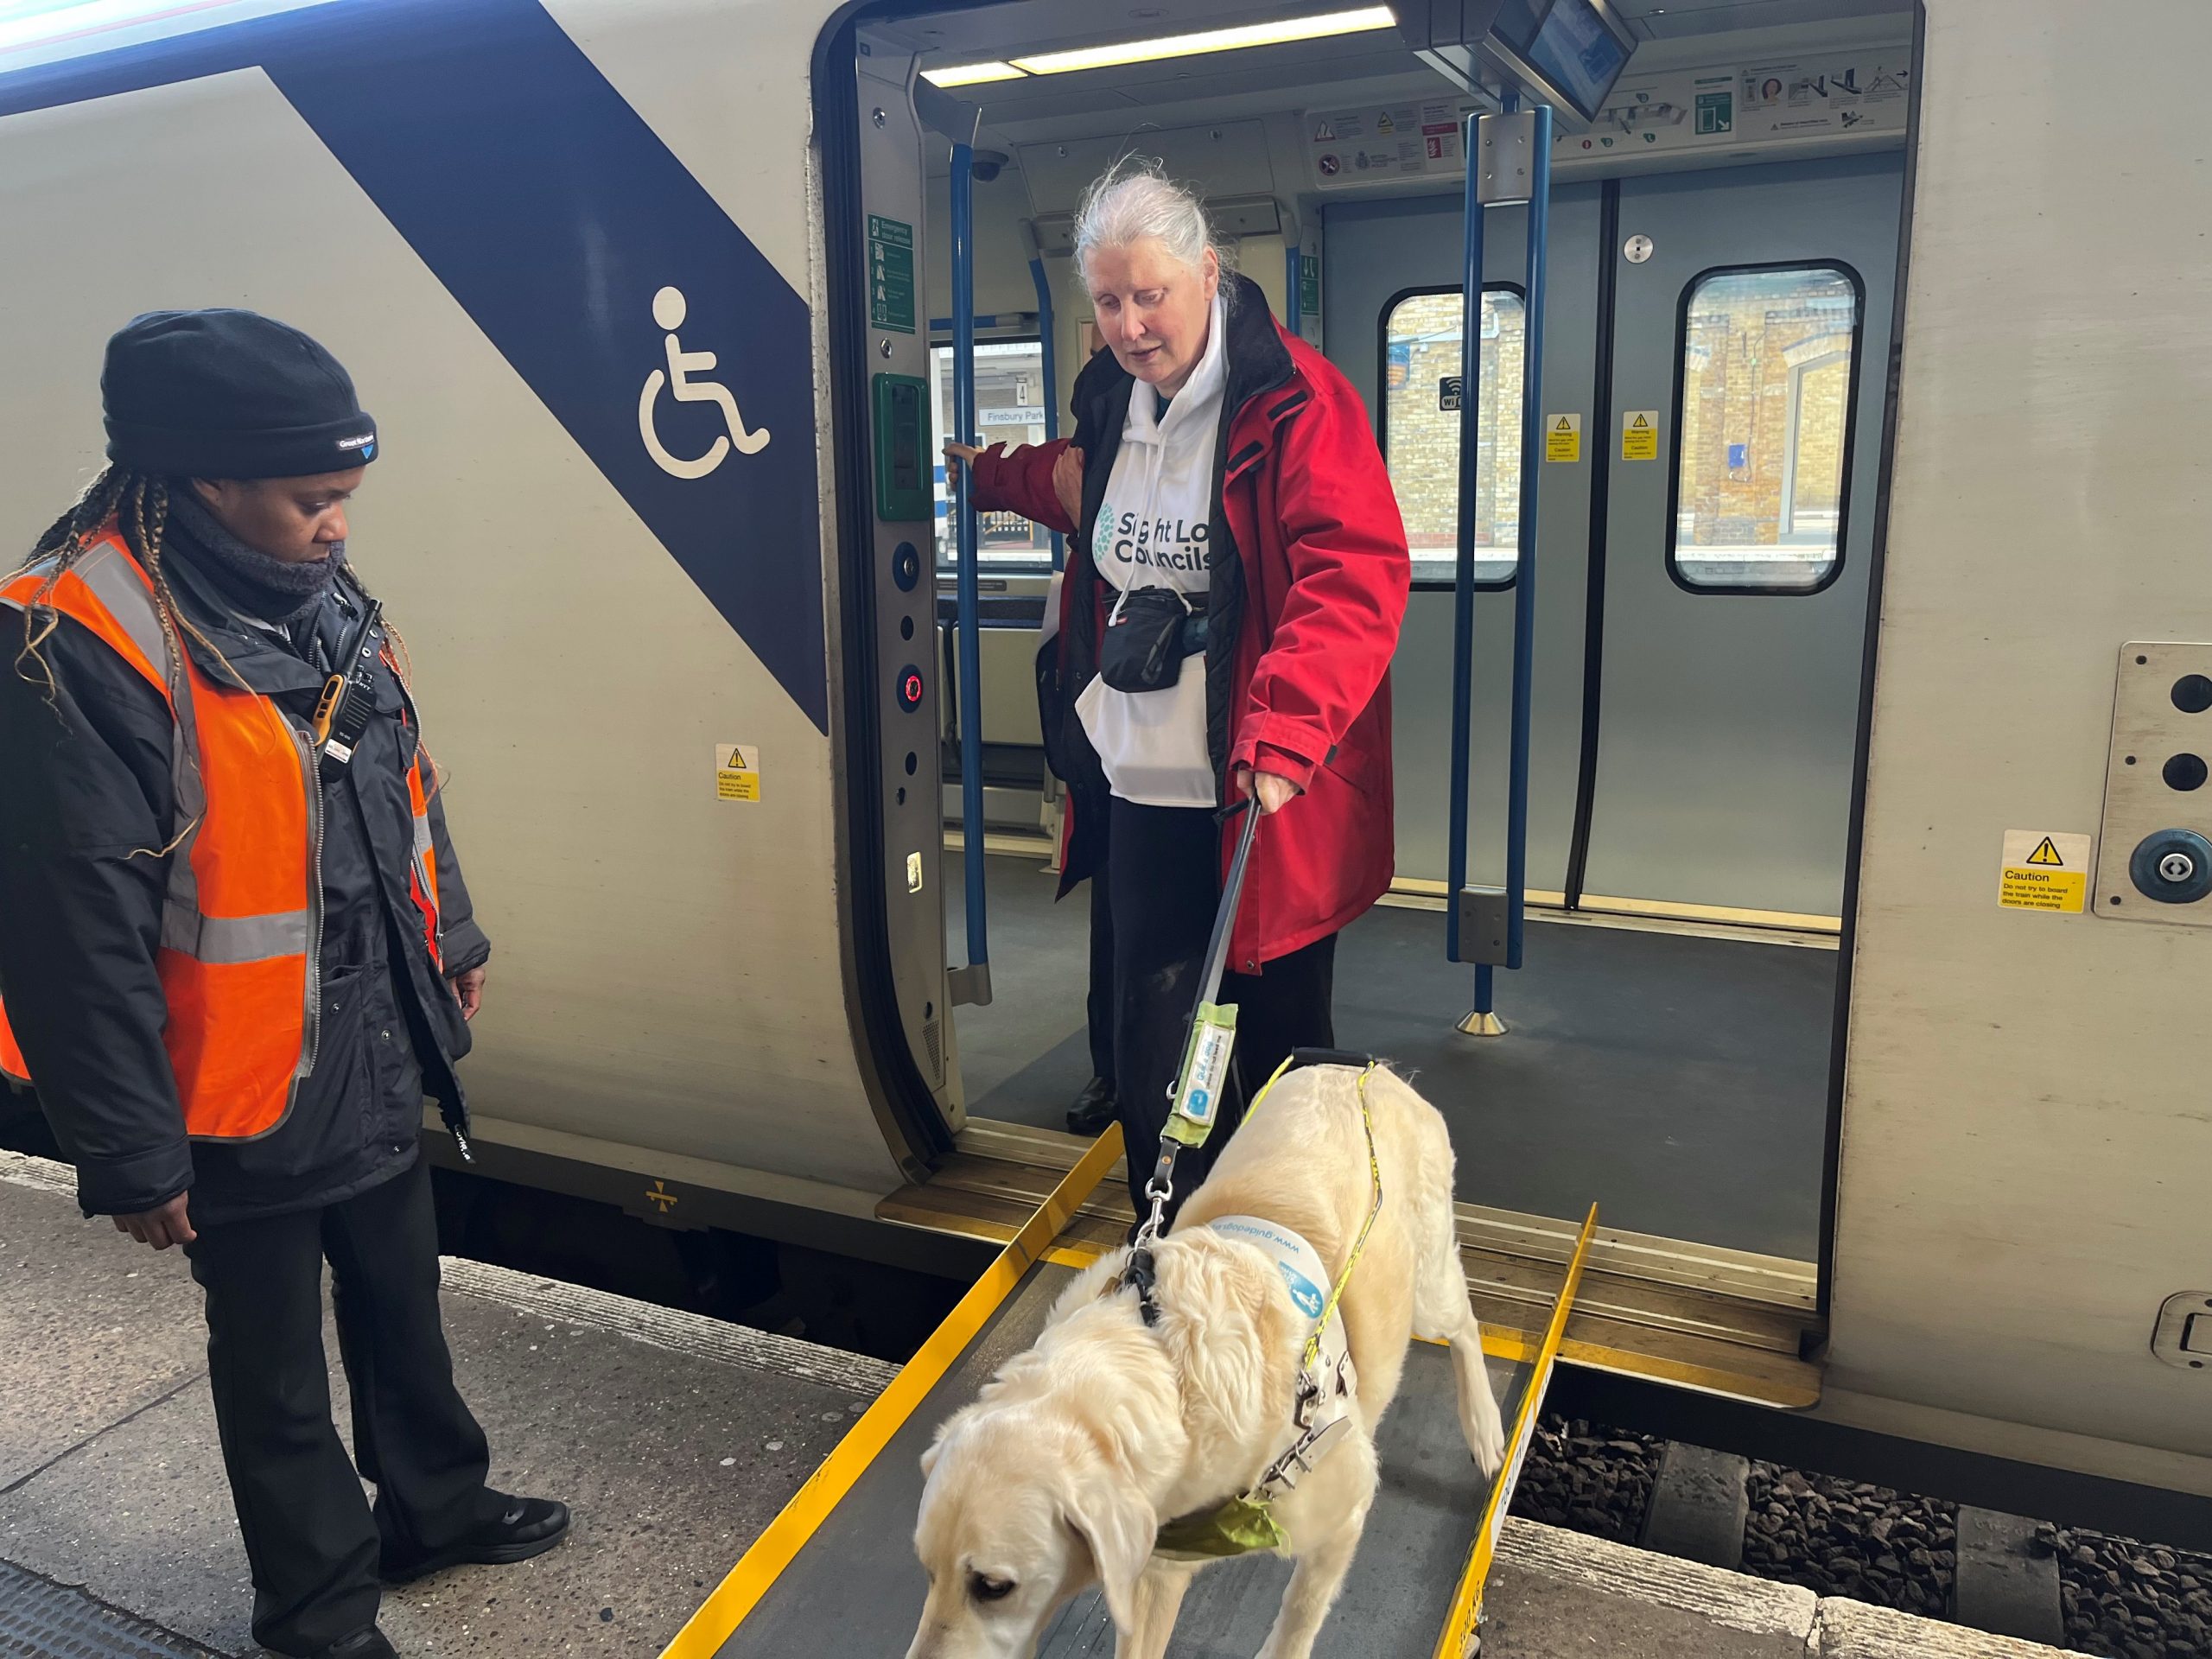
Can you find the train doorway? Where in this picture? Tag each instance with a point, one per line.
(1720, 275)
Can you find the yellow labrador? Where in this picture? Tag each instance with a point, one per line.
(1061, 1473)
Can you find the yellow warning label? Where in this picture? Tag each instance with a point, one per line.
(1640, 434)
(737, 771)
(1562, 437)
(2044, 870)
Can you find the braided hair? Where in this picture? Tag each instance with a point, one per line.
(138, 504)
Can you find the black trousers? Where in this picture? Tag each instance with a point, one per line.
(311, 1537)
(1099, 1005)
(1164, 866)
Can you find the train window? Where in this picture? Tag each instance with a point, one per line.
(1010, 395)
(1770, 377)
(1419, 405)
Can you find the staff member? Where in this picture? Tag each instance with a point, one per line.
(235, 956)
(1237, 574)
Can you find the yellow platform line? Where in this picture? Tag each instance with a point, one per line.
(1467, 1601)
(742, 1588)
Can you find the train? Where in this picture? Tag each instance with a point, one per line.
(1814, 655)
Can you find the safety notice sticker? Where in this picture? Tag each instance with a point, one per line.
(1562, 437)
(1640, 434)
(737, 771)
(2044, 870)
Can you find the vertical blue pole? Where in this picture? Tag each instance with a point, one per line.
(1524, 589)
(1463, 583)
(1291, 313)
(1052, 380)
(970, 653)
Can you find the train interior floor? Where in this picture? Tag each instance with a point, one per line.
(1679, 1082)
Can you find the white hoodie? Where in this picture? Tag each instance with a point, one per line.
(1152, 531)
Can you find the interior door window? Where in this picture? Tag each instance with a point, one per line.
(1763, 413)
(1010, 395)
(1420, 430)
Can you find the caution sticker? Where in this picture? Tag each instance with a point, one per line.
(1562, 437)
(1640, 434)
(2045, 869)
(737, 771)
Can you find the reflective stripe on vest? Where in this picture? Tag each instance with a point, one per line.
(422, 875)
(242, 919)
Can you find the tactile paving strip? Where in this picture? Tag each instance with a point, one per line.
(43, 1620)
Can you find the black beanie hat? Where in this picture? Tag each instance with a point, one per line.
(229, 394)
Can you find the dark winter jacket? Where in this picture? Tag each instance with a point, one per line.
(84, 792)
(1301, 623)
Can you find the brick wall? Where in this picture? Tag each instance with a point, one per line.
(1752, 354)
(1423, 441)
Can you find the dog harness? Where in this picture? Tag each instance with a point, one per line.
(1321, 1401)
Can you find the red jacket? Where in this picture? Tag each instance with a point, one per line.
(1321, 553)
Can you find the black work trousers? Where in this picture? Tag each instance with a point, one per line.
(1164, 870)
(310, 1535)
(1098, 1006)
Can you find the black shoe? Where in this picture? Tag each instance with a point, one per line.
(526, 1526)
(1093, 1110)
(362, 1644)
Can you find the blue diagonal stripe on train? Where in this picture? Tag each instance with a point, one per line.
(588, 255)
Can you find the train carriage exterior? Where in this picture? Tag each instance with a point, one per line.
(684, 667)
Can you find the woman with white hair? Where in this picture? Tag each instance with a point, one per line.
(1236, 574)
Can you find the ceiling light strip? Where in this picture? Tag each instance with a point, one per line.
(1282, 32)
(973, 74)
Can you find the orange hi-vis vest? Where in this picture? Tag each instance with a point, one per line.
(242, 922)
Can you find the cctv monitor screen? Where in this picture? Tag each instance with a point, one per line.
(1579, 54)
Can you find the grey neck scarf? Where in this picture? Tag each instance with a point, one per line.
(271, 589)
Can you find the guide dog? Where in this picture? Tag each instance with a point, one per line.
(1061, 1473)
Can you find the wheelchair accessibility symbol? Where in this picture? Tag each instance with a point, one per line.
(669, 311)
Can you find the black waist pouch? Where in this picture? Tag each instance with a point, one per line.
(1149, 630)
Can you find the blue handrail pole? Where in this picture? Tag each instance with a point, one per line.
(1052, 380)
(1292, 291)
(970, 639)
(1524, 589)
(1463, 581)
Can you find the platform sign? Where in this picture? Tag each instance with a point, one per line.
(2046, 870)
(1563, 437)
(890, 274)
(737, 771)
(1640, 434)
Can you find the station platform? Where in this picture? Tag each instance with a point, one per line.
(678, 1440)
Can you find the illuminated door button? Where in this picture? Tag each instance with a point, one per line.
(910, 688)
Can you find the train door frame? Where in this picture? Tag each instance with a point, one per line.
(1878, 550)
(925, 1133)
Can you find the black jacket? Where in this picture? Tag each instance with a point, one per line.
(85, 790)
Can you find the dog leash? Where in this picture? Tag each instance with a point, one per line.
(1194, 1102)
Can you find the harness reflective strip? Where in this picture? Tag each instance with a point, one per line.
(229, 939)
